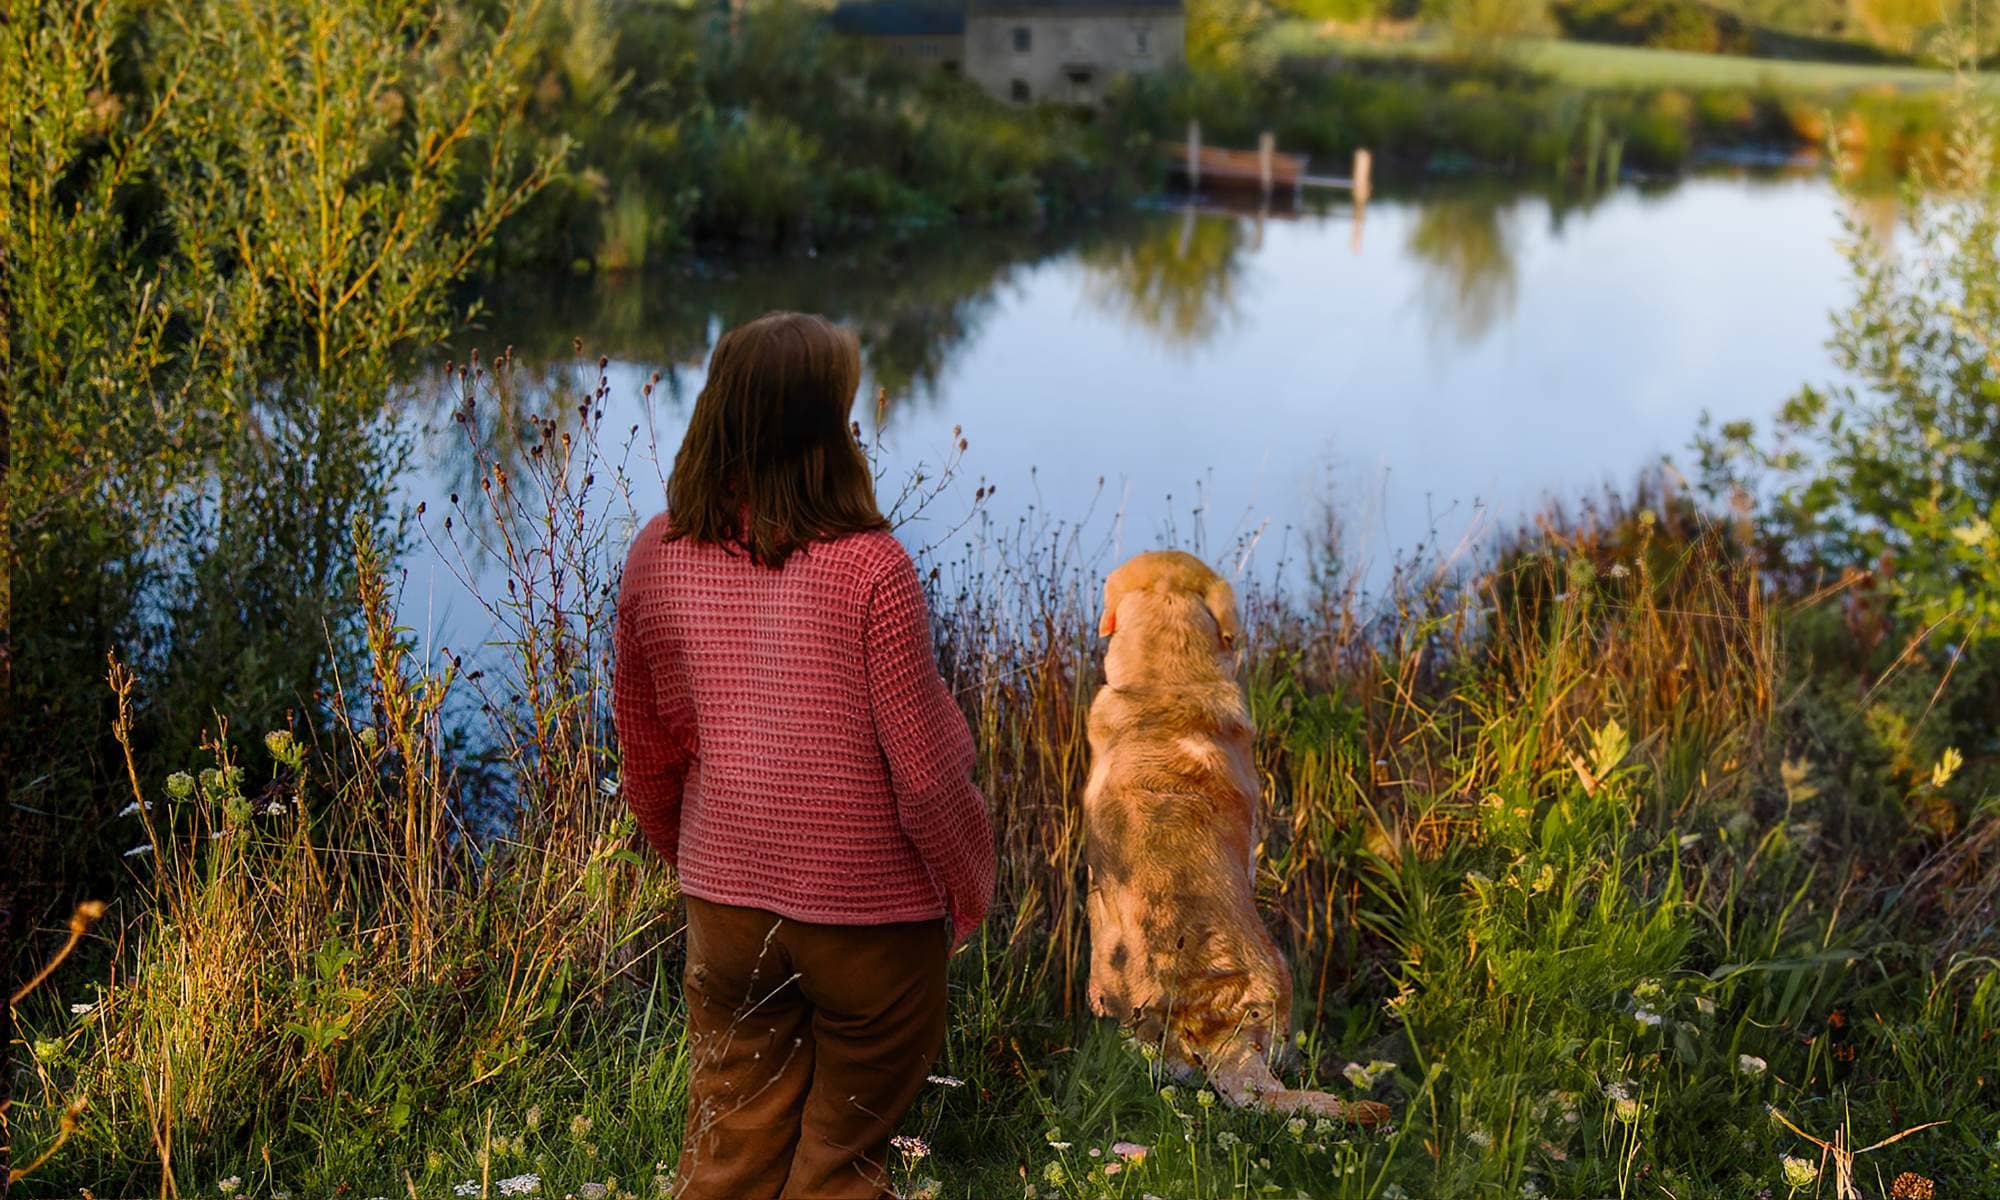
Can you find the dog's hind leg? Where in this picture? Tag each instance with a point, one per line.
(1245, 1079)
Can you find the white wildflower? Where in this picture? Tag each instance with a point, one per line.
(1750, 1064)
(913, 1148)
(469, 1188)
(1296, 1127)
(1480, 1138)
(132, 809)
(592, 1191)
(1395, 1192)
(230, 1186)
(1798, 1172)
(1059, 1147)
(945, 1080)
(1227, 1140)
(78, 1010)
(608, 785)
(520, 1185)
(1646, 1017)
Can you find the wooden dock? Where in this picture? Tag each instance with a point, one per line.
(1263, 171)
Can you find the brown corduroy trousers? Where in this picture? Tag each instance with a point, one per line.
(806, 1043)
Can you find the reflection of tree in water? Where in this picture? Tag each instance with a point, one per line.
(1176, 278)
(1467, 280)
(912, 306)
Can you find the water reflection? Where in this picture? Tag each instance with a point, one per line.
(1464, 246)
(1176, 276)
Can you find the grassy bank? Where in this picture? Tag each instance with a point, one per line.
(1594, 863)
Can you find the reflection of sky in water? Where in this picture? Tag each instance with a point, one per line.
(1474, 355)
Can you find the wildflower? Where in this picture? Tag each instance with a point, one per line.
(1628, 1109)
(1205, 1098)
(925, 1189)
(1395, 1192)
(180, 785)
(1054, 1172)
(592, 1191)
(1364, 1078)
(1619, 571)
(367, 736)
(211, 780)
(1750, 1064)
(1798, 1172)
(1530, 1190)
(533, 1117)
(133, 809)
(1059, 1147)
(1617, 1091)
(1227, 1140)
(1130, 1151)
(945, 1080)
(1912, 1186)
(579, 1125)
(1168, 1093)
(78, 1010)
(520, 1185)
(47, 1049)
(1296, 1127)
(1646, 1017)
(280, 744)
(275, 808)
(1148, 1051)
(230, 1186)
(1113, 1168)
(469, 1188)
(136, 851)
(1480, 1138)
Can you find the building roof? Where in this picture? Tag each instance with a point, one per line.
(1075, 7)
(942, 18)
(900, 18)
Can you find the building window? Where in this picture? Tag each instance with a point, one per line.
(1023, 39)
(1142, 42)
(1020, 91)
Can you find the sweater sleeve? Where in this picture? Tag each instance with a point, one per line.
(928, 748)
(655, 741)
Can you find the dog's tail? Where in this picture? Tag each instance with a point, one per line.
(1245, 1079)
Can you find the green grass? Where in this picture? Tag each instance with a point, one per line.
(1594, 65)
(1551, 852)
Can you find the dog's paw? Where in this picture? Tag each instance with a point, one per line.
(1326, 1104)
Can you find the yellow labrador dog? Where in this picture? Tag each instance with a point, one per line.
(1177, 950)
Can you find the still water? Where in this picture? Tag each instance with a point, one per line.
(1433, 372)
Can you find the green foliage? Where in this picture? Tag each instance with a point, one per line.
(1899, 472)
(1665, 24)
(225, 223)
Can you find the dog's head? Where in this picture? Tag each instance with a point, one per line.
(1175, 614)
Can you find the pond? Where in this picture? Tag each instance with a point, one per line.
(1432, 371)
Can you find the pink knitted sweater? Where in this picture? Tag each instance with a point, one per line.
(785, 739)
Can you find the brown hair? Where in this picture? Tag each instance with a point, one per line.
(770, 463)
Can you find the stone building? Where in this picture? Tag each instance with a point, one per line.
(1068, 50)
(1028, 51)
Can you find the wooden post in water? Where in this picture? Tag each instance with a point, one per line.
(1364, 176)
(1194, 156)
(1267, 147)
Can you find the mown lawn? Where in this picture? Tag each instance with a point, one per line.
(1594, 65)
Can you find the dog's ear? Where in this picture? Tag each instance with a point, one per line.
(1221, 601)
(1108, 623)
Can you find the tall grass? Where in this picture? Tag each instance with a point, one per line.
(1554, 876)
